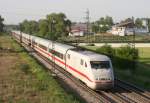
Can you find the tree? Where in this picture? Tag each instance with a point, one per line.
(103, 24)
(58, 24)
(108, 21)
(68, 25)
(95, 28)
(25, 26)
(138, 23)
(34, 27)
(149, 24)
(1, 24)
(43, 27)
(55, 25)
(30, 27)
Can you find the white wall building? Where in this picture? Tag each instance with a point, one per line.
(79, 29)
(76, 33)
(127, 28)
(122, 31)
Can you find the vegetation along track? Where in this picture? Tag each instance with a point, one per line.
(122, 92)
(96, 98)
(126, 93)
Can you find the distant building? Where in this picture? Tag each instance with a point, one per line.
(144, 29)
(128, 28)
(79, 29)
(122, 29)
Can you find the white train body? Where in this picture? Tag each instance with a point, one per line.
(95, 70)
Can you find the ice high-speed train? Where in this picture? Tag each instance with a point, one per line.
(95, 70)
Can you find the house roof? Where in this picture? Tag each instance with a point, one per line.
(79, 27)
(125, 24)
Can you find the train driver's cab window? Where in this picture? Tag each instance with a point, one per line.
(81, 62)
(100, 64)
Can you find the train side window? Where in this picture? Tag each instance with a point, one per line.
(68, 56)
(81, 62)
(61, 56)
(64, 57)
(57, 54)
(43, 47)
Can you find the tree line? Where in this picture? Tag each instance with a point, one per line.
(105, 23)
(1, 24)
(55, 25)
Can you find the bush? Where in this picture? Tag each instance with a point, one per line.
(122, 58)
(127, 53)
(126, 57)
(107, 50)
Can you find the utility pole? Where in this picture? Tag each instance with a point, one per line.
(20, 33)
(52, 38)
(88, 24)
(133, 43)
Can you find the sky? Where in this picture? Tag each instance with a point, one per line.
(15, 11)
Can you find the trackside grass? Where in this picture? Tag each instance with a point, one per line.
(24, 80)
(140, 76)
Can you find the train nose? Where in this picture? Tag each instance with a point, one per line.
(103, 79)
(102, 85)
(103, 75)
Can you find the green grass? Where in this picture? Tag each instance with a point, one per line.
(27, 81)
(47, 84)
(144, 55)
(141, 75)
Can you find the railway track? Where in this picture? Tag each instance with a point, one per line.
(121, 93)
(76, 81)
(59, 72)
(133, 92)
(134, 88)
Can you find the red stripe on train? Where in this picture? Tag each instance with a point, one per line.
(73, 69)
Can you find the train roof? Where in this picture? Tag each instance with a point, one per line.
(17, 32)
(57, 46)
(63, 48)
(92, 55)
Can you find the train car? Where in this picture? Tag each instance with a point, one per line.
(95, 70)
(26, 38)
(16, 34)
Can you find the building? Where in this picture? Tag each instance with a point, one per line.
(124, 28)
(79, 29)
(128, 28)
(144, 29)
